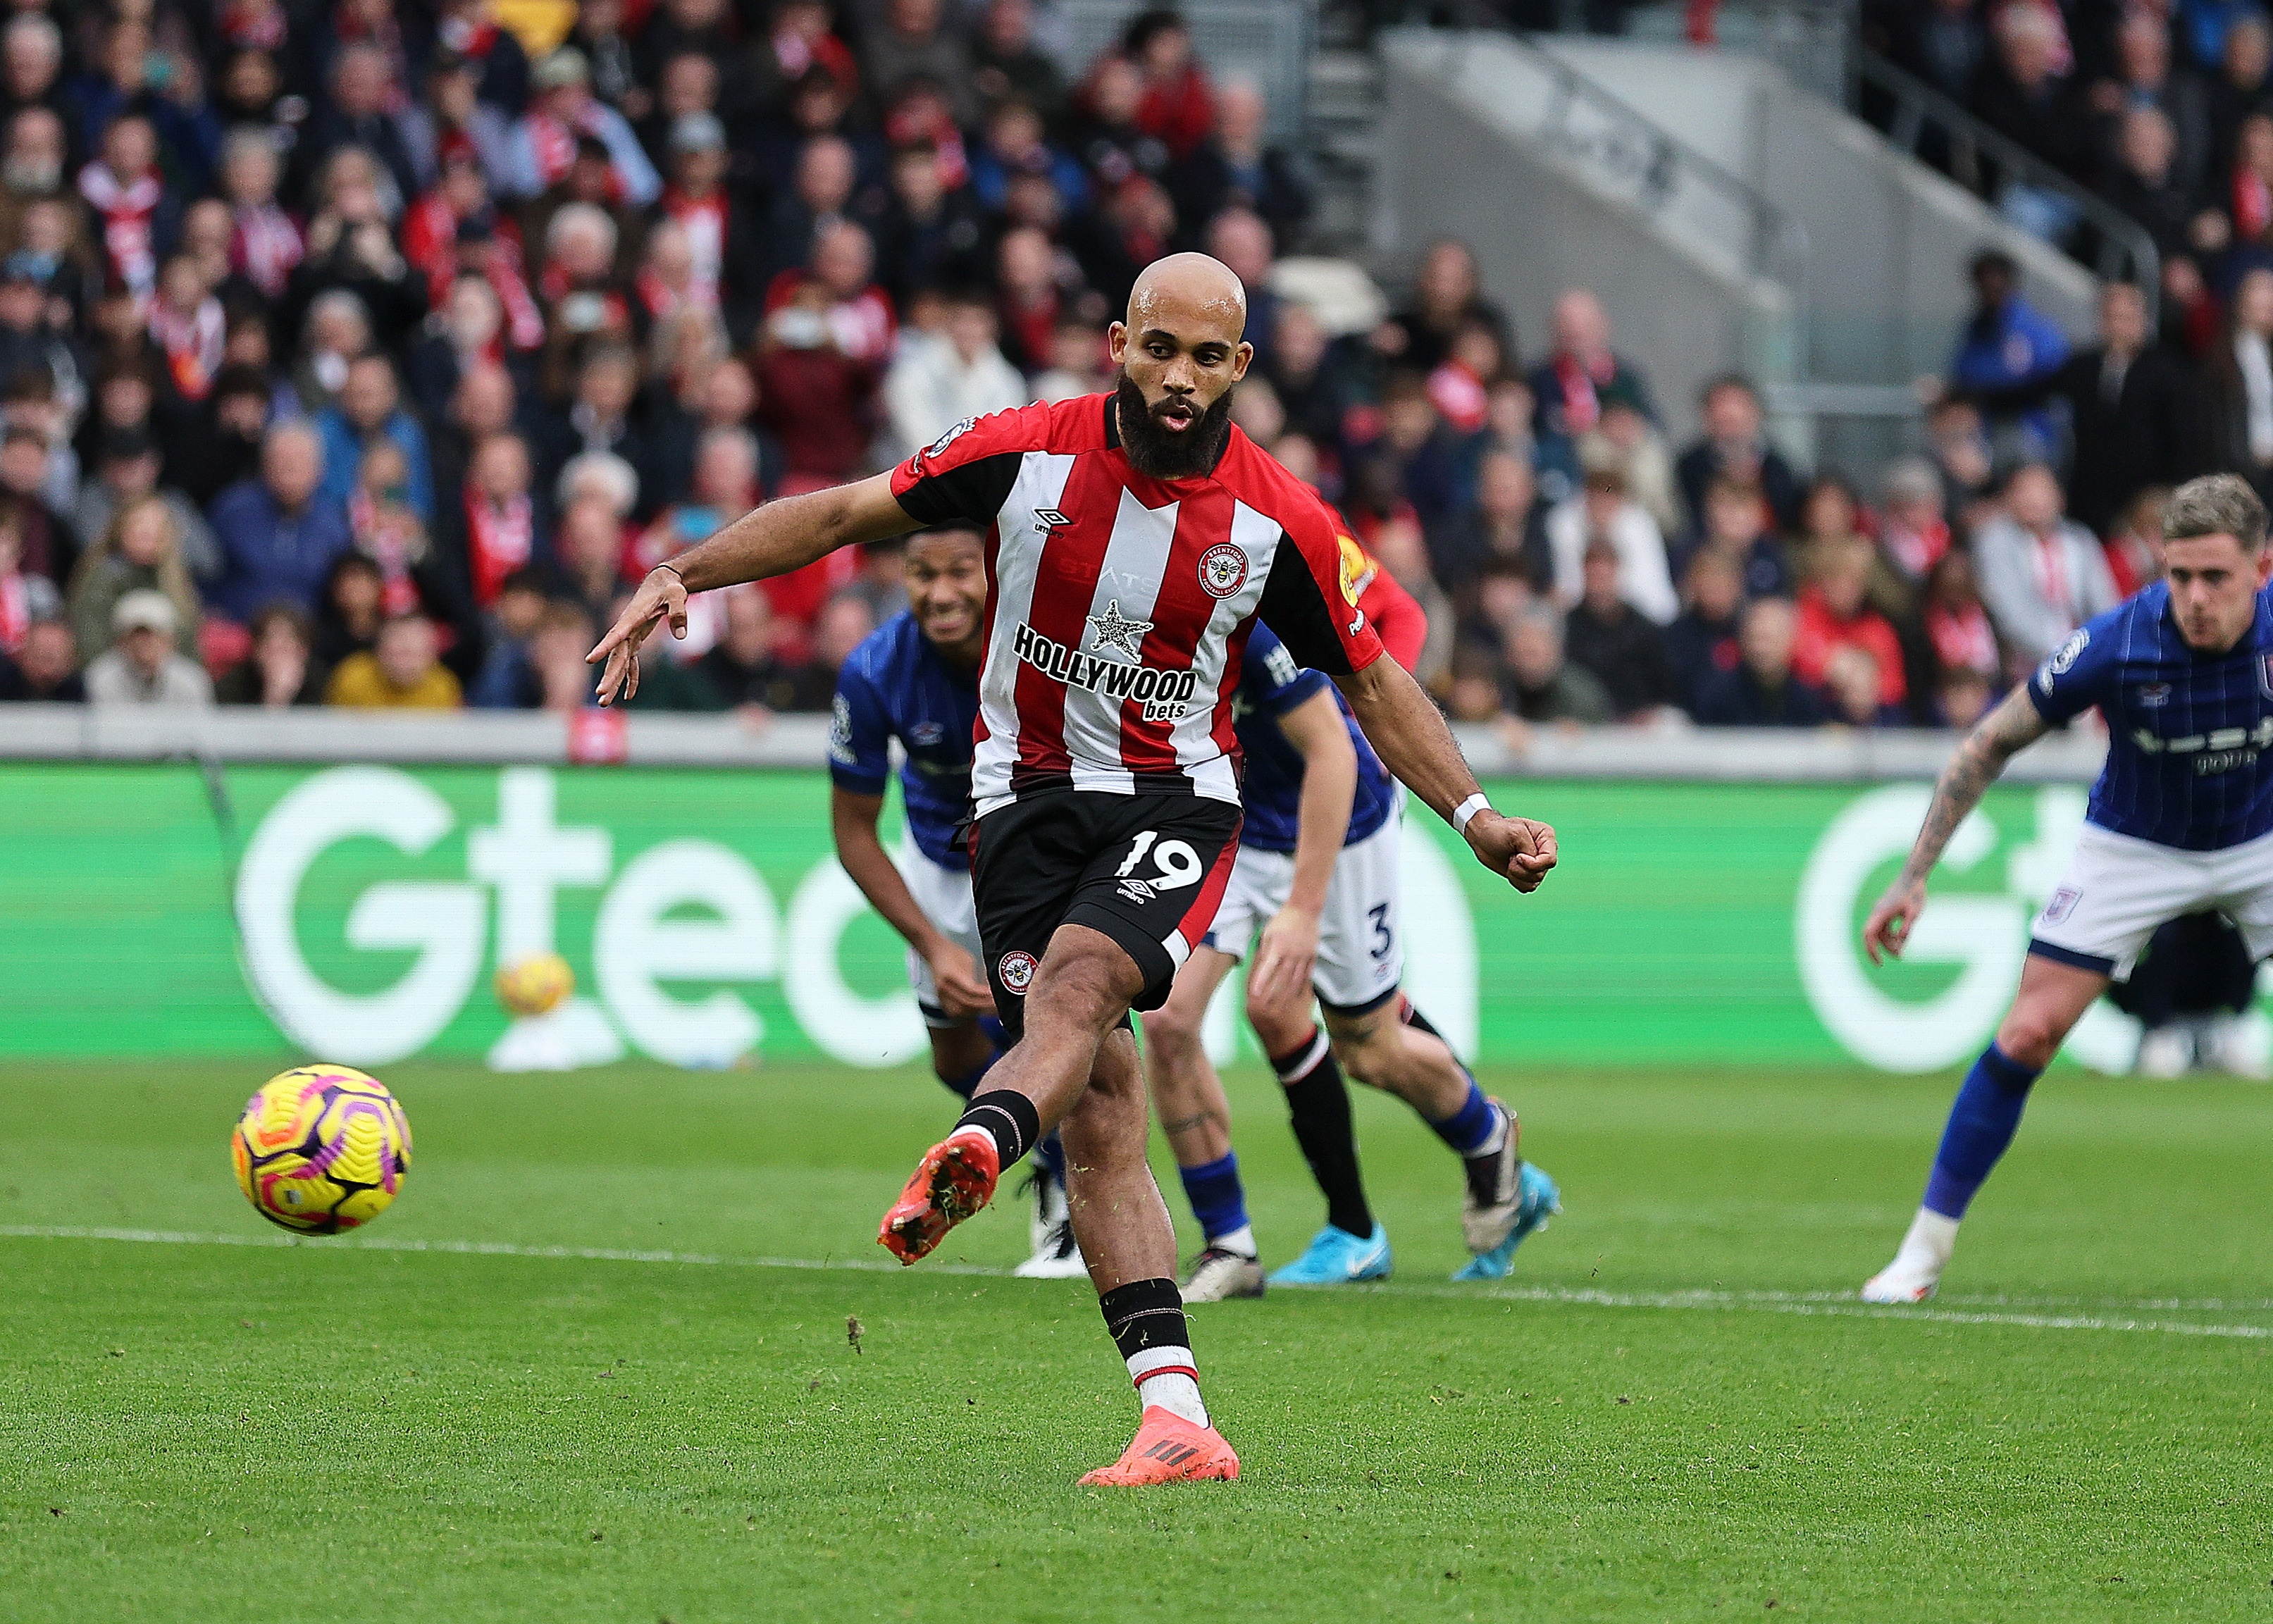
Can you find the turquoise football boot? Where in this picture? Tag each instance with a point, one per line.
(1336, 1257)
(1537, 1199)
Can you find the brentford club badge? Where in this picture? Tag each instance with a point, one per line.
(1017, 970)
(1223, 570)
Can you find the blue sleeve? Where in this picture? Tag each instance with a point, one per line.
(2083, 671)
(1272, 681)
(859, 731)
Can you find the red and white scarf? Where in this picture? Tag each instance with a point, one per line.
(264, 246)
(1582, 407)
(193, 344)
(2048, 559)
(127, 213)
(502, 539)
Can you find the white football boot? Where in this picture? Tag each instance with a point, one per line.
(1056, 1255)
(1916, 1272)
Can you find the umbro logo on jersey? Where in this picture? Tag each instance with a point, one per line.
(1165, 695)
(1047, 520)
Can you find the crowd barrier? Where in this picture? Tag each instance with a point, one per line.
(316, 884)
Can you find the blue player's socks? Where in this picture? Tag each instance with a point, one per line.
(1051, 1156)
(1469, 1129)
(1219, 1200)
(1981, 1125)
(964, 1087)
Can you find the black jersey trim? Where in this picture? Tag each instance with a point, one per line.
(972, 491)
(1294, 606)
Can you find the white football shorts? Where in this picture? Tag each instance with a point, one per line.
(944, 895)
(1360, 949)
(2118, 891)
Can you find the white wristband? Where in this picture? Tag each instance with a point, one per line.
(1468, 810)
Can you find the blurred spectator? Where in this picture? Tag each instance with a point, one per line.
(509, 678)
(1832, 524)
(1732, 443)
(44, 667)
(2239, 90)
(744, 668)
(1959, 447)
(1178, 107)
(1603, 634)
(843, 625)
(1446, 293)
(1583, 376)
(1603, 512)
(277, 534)
(1540, 685)
(126, 470)
(349, 610)
(564, 636)
(1237, 168)
(2145, 81)
(136, 554)
(225, 446)
(2144, 182)
(2042, 575)
(2027, 96)
(495, 526)
(915, 43)
(1960, 699)
(930, 237)
(282, 671)
(137, 215)
(356, 113)
(1913, 523)
(2007, 340)
(600, 416)
(1508, 523)
(370, 409)
(589, 552)
(47, 545)
(1835, 613)
(939, 380)
(2135, 544)
(667, 683)
(1944, 43)
(1737, 530)
(351, 249)
(1957, 627)
(1007, 66)
(1241, 238)
(141, 666)
(2131, 409)
(819, 402)
(1852, 677)
(402, 671)
(1701, 644)
(1764, 691)
(561, 108)
(2239, 383)
(1625, 435)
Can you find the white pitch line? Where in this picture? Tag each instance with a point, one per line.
(1814, 1303)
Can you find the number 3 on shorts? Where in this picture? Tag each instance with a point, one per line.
(1174, 862)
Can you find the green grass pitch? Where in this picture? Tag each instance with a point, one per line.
(1673, 1412)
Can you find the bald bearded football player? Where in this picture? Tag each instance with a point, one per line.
(1132, 539)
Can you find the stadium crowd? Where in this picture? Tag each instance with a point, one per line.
(366, 353)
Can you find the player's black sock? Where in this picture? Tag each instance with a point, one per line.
(1008, 1117)
(1146, 1319)
(1318, 1102)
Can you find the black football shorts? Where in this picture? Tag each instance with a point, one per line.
(1146, 870)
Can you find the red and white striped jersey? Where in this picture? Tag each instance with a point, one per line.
(1118, 605)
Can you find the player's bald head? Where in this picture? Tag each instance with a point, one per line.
(1189, 294)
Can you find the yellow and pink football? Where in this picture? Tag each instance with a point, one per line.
(321, 1149)
(535, 985)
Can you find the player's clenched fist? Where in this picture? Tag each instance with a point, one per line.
(1521, 849)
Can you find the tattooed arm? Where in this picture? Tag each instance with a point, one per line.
(2002, 734)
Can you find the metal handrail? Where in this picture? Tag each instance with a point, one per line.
(2126, 251)
(1777, 248)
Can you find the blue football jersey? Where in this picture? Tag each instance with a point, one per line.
(897, 687)
(2190, 736)
(1270, 685)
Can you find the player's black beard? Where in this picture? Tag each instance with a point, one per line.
(1171, 454)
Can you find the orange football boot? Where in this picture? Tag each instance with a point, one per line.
(953, 1181)
(1167, 1448)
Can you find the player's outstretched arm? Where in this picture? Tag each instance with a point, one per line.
(1995, 739)
(1406, 731)
(1288, 950)
(763, 543)
(853, 826)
